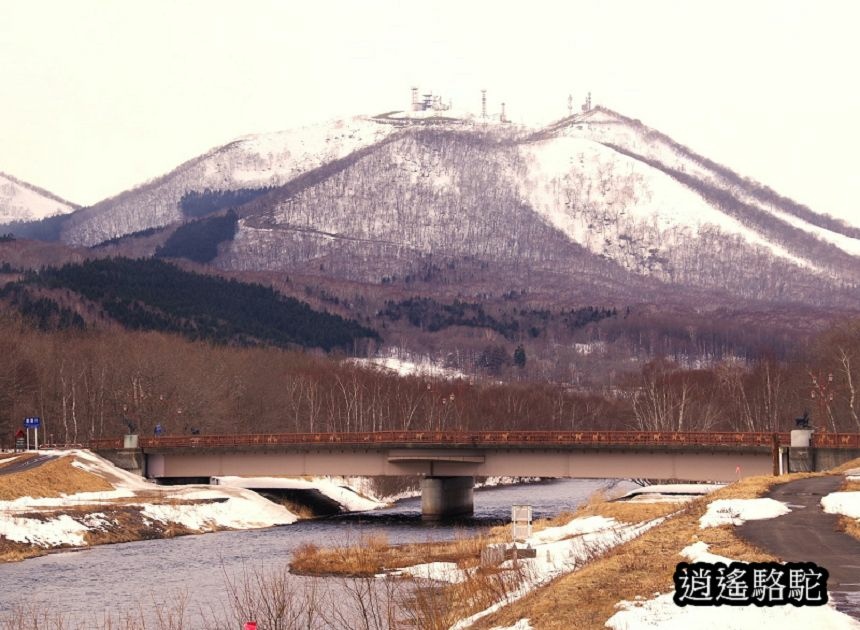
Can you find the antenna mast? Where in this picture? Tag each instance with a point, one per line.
(483, 103)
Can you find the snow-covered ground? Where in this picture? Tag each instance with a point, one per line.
(411, 366)
(65, 520)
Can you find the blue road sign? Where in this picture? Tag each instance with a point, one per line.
(32, 423)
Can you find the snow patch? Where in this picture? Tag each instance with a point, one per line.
(845, 503)
(698, 552)
(411, 366)
(439, 571)
(738, 511)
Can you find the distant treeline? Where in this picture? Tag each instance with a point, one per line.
(433, 316)
(44, 313)
(154, 295)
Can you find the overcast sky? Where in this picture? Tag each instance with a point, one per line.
(97, 96)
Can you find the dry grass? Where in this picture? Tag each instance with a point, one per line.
(585, 599)
(854, 463)
(372, 555)
(50, 480)
(850, 526)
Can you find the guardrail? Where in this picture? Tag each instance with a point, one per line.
(479, 438)
(836, 440)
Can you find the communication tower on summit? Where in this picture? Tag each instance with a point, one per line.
(586, 106)
(502, 117)
(570, 104)
(428, 102)
(483, 103)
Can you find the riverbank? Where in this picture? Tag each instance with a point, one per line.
(77, 499)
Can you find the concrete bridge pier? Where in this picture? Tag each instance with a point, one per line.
(446, 497)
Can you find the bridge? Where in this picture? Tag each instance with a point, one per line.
(448, 461)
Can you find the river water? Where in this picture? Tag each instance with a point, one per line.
(91, 583)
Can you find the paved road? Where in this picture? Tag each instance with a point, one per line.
(808, 534)
(22, 464)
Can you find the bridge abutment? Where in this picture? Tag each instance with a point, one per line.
(446, 497)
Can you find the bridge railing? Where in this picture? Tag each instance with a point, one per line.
(478, 438)
(836, 440)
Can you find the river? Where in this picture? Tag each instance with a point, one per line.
(91, 583)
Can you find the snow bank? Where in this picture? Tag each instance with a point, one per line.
(243, 510)
(350, 500)
(670, 492)
(738, 511)
(522, 624)
(845, 503)
(54, 532)
(198, 508)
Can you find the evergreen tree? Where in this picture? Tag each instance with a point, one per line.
(520, 356)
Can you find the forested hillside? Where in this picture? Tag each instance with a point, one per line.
(154, 295)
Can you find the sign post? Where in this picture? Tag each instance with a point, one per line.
(521, 522)
(32, 422)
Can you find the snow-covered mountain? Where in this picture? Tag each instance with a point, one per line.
(596, 195)
(20, 201)
(249, 162)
